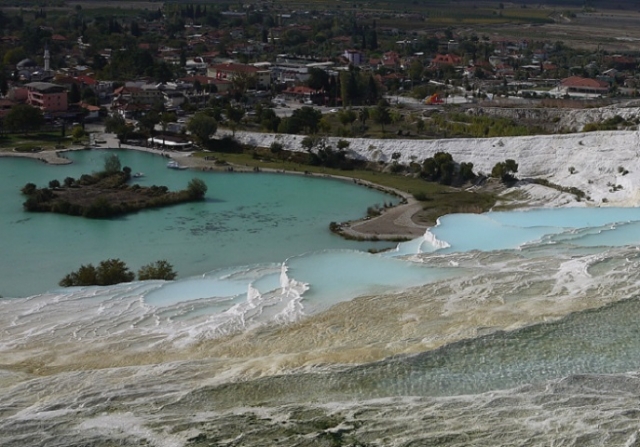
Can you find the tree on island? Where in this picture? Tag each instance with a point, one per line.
(112, 164)
(196, 188)
(106, 194)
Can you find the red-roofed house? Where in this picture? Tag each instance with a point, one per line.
(584, 85)
(230, 70)
(58, 38)
(222, 85)
(441, 60)
(93, 112)
(391, 59)
(300, 93)
(86, 80)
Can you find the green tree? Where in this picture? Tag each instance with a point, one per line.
(197, 188)
(381, 115)
(276, 148)
(440, 168)
(14, 55)
(349, 87)
(113, 271)
(318, 79)
(74, 94)
(86, 275)
(157, 270)
(111, 164)
(309, 142)
(203, 127)
(234, 115)
(29, 189)
(504, 170)
(466, 171)
(77, 133)
(23, 117)
(347, 116)
(373, 92)
(364, 115)
(148, 122)
(115, 124)
(269, 120)
(307, 119)
(343, 144)
(415, 70)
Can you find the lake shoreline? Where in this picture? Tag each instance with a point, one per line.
(392, 224)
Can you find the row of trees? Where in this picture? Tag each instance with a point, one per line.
(114, 271)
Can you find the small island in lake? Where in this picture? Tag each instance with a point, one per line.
(106, 194)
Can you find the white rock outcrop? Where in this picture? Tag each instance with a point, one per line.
(602, 164)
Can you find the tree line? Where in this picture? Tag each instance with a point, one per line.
(114, 271)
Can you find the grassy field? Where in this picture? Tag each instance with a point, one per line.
(25, 143)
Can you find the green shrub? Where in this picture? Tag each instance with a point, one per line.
(197, 188)
(158, 270)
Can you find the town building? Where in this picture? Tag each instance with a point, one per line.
(144, 94)
(47, 97)
(354, 57)
(577, 84)
(442, 60)
(230, 70)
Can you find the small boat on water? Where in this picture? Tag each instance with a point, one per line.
(138, 175)
(174, 165)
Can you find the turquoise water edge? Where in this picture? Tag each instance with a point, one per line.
(246, 219)
(505, 328)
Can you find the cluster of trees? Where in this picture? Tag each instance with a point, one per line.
(24, 118)
(323, 154)
(106, 194)
(505, 171)
(303, 120)
(442, 169)
(357, 88)
(133, 62)
(114, 271)
(462, 125)
(202, 126)
(614, 123)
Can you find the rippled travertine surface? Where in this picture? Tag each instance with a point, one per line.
(537, 346)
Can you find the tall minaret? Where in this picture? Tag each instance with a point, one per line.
(47, 58)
